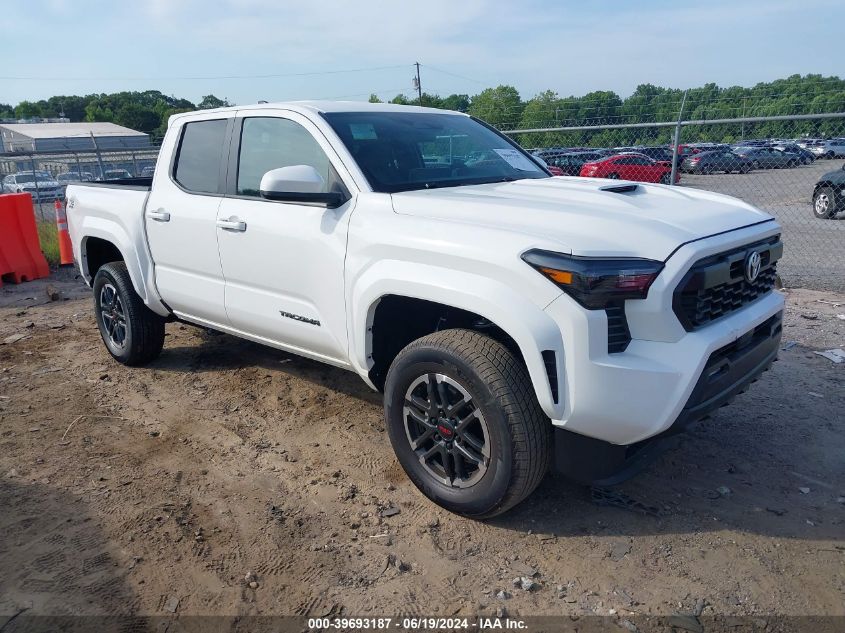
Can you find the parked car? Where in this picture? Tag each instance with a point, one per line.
(493, 305)
(805, 156)
(767, 157)
(40, 185)
(834, 148)
(719, 160)
(829, 194)
(75, 176)
(148, 171)
(554, 171)
(570, 163)
(116, 174)
(806, 142)
(629, 167)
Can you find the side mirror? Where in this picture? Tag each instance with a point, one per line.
(298, 183)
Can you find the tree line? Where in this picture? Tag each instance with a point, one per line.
(145, 111)
(504, 108)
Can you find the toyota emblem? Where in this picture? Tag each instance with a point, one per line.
(752, 266)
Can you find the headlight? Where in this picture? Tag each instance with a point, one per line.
(596, 282)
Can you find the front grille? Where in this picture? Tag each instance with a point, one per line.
(618, 335)
(716, 286)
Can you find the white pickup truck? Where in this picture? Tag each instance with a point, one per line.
(511, 318)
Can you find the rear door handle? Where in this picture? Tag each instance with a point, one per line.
(159, 215)
(232, 224)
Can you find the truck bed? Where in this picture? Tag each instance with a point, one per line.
(141, 184)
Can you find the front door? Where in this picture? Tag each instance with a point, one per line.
(283, 262)
(181, 217)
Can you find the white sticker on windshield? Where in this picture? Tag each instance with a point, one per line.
(516, 160)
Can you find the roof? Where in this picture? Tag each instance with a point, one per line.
(324, 106)
(65, 130)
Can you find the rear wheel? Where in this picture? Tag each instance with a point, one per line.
(613, 176)
(132, 332)
(744, 169)
(824, 203)
(792, 163)
(465, 423)
(665, 179)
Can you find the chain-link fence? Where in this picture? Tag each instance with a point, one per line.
(790, 166)
(46, 175)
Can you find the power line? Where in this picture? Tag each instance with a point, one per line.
(446, 72)
(208, 78)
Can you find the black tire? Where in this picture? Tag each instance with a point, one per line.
(825, 203)
(613, 176)
(665, 179)
(830, 156)
(755, 164)
(516, 432)
(133, 334)
(792, 164)
(744, 169)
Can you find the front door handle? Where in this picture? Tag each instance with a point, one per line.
(160, 215)
(232, 224)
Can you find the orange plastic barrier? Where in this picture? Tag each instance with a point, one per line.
(65, 245)
(21, 258)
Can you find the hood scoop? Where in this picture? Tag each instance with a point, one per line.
(620, 188)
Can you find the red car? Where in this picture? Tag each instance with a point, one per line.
(630, 167)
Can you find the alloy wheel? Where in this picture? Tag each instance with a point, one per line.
(446, 430)
(113, 315)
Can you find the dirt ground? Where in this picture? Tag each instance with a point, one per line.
(158, 490)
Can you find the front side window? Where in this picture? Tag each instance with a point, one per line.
(269, 143)
(404, 151)
(199, 156)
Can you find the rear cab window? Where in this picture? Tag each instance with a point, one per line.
(200, 155)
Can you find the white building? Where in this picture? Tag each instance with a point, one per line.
(50, 137)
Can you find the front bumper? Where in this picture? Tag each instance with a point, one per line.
(728, 372)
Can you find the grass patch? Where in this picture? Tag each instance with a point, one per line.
(48, 235)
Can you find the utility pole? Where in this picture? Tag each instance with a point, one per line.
(676, 141)
(417, 83)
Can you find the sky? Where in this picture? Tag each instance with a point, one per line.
(276, 50)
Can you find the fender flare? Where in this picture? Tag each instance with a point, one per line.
(140, 268)
(525, 322)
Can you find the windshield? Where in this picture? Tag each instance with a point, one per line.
(403, 151)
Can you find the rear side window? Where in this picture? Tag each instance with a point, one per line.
(200, 155)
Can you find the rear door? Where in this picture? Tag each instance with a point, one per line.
(181, 216)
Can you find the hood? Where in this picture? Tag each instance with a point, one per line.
(584, 216)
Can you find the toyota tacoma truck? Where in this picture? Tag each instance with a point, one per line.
(513, 320)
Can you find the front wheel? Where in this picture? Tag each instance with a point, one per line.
(824, 203)
(465, 423)
(613, 176)
(665, 179)
(133, 334)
